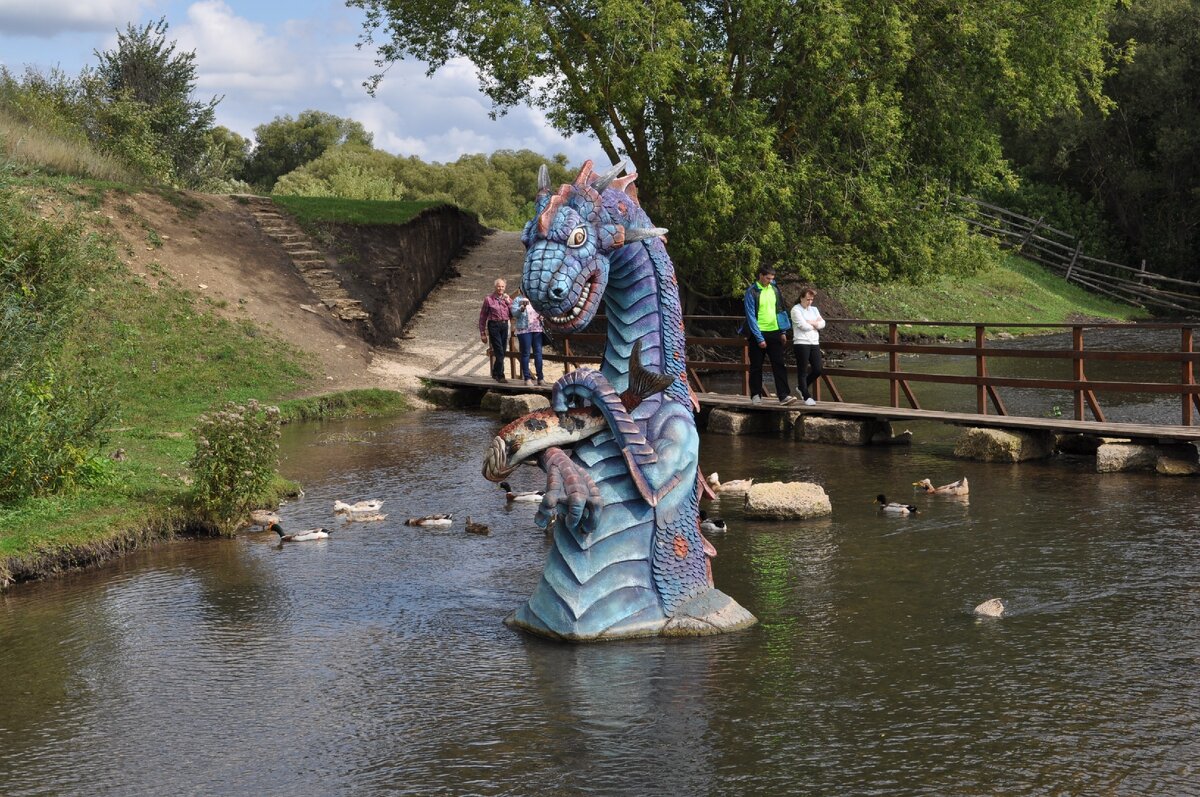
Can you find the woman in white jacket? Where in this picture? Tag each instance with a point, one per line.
(806, 341)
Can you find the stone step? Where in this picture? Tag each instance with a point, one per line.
(306, 253)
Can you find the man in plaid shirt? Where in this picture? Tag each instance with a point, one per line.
(493, 326)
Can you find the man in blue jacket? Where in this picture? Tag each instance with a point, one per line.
(766, 328)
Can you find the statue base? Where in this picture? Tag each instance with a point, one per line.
(708, 614)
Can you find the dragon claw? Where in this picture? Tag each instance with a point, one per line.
(570, 494)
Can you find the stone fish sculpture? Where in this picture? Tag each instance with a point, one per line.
(628, 558)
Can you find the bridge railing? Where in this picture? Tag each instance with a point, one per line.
(573, 351)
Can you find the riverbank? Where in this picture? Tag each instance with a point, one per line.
(195, 307)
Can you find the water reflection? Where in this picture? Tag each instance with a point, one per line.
(376, 662)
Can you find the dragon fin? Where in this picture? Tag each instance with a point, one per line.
(642, 383)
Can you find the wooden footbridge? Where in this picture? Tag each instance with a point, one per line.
(711, 358)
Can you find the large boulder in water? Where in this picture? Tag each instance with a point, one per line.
(721, 421)
(994, 445)
(787, 501)
(513, 407)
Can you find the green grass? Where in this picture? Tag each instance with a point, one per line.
(320, 209)
(169, 358)
(1016, 291)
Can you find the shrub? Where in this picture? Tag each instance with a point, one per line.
(237, 453)
(52, 408)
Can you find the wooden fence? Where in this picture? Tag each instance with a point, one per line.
(901, 380)
(1062, 252)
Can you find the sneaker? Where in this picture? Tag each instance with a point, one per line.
(528, 382)
(787, 400)
(810, 401)
(540, 383)
(756, 399)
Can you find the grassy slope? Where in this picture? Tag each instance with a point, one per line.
(1017, 291)
(309, 209)
(170, 358)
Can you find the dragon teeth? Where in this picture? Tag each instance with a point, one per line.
(577, 309)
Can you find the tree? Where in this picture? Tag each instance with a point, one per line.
(812, 135)
(1139, 163)
(284, 143)
(140, 95)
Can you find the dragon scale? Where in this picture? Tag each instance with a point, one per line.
(628, 558)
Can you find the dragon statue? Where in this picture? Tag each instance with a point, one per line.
(628, 558)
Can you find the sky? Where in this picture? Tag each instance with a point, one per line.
(271, 58)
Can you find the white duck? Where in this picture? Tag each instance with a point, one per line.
(524, 497)
(303, 536)
(357, 508)
(731, 487)
(430, 520)
(893, 508)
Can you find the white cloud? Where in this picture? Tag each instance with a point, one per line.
(47, 19)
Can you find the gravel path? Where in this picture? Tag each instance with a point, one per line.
(444, 334)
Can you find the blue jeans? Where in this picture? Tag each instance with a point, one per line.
(531, 342)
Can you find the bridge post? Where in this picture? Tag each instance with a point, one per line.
(894, 365)
(1189, 376)
(1077, 369)
(980, 370)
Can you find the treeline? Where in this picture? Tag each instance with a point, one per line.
(1124, 172)
(131, 117)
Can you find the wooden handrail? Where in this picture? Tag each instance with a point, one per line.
(985, 385)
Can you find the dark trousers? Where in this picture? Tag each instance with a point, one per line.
(531, 343)
(808, 366)
(498, 337)
(774, 350)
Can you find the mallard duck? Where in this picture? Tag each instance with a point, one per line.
(992, 607)
(430, 520)
(959, 487)
(303, 536)
(265, 519)
(477, 528)
(733, 487)
(711, 525)
(357, 508)
(511, 496)
(894, 508)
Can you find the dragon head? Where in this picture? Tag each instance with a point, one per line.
(569, 242)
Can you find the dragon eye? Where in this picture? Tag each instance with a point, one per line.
(577, 238)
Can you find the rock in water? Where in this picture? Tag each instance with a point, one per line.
(993, 607)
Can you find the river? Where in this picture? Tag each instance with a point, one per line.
(376, 662)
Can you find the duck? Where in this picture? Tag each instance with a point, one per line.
(265, 519)
(992, 607)
(430, 520)
(893, 508)
(364, 517)
(712, 525)
(303, 536)
(960, 487)
(477, 528)
(511, 496)
(357, 508)
(733, 487)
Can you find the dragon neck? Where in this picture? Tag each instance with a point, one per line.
(642, 304)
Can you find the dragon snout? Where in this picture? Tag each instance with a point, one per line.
(557, 292)
(495, 463)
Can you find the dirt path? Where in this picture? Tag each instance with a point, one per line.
(217, 251)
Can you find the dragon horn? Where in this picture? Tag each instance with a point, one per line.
(543, 179)
(642, 233)
(585, 174)
(622, 183)
(602, 182)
